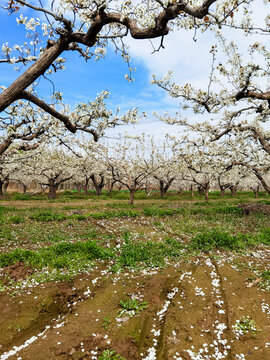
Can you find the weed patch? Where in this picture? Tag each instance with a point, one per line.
(16, 219)
(221, 240)
(265, 283)
(244, 326)
(156, 211)
(131, 306)
(264, 236)
(215, 208)
(57, 256)
(47, 215)
(114, 214)
(110, 355)
(147, 253)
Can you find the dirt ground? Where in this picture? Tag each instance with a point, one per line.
(206, 307)
(193, 308)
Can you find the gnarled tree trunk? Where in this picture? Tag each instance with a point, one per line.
(52, 189)
(85, 185)
(98, 184)
(131, 196)
(206, 189)
(1, 187)
(233, 190)
(264, 184)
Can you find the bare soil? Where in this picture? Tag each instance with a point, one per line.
(193, 306)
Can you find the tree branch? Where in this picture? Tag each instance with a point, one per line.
(40, 103)
(66, 22)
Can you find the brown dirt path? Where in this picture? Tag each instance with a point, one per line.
(193, 307)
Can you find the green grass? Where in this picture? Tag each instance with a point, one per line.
(265, 202)
(131, 306)
(114, 214)
(16, 219)
(157, 211)
(110, 355)
(56, 236)
(211, 208)
(138, 253)
(220, 239)
(47, 215)
(264, 236)
(265, 283)
(57, 256)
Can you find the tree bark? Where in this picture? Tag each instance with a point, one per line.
(110, 186)
(162, 192)
(233, 190)
(85, 186)
(256, 192)
(52, 189)
(263, 182)
(222, 192)
(15, 90)
(5, 186)
(99, 190)
(162, 189)
(24, 188)
(200, 190)
(131, 196)
(207, 188)
(1, 188)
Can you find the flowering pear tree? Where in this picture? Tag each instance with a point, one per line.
(168, 166)
(91, 165)
(198, 172)
(23, 167)
(229, 179)
(27, 126)
(238, 100)
(131, 164)
(236, 96)
(92, 168)
(51, 168)
(23, 126)
(4, 180)
(261, 171)
(251, 182)
(86, 27)
(7, 169)
(207, 164)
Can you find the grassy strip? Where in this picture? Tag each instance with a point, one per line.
(147, 253)
(201, 208)
(48, 215)
(218, 239)
(57, 256)
(63, 255)
(114, 214)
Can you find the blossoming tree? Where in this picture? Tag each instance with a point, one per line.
(86, 27)
(52, 167)
(131, 164)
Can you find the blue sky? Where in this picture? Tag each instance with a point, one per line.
(81, 81)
